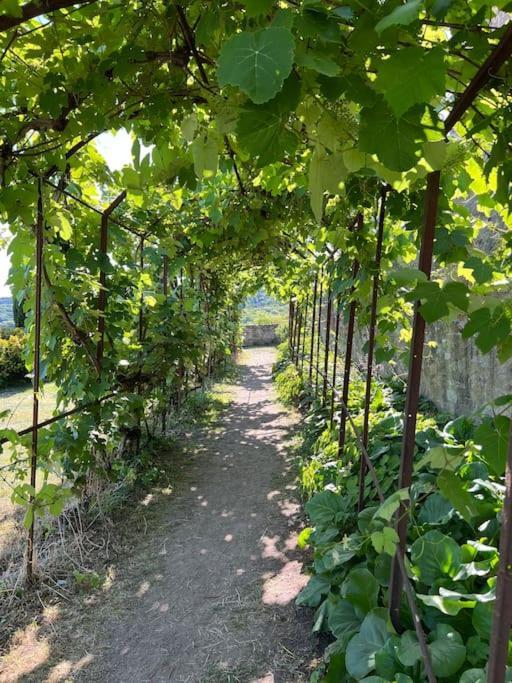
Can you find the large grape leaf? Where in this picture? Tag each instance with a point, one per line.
(257, 62)
(401, 15)
(261, 132)
(411, 76)
(395, 140)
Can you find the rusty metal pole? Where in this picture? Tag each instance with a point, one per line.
(348, 353)
(36, 381)
(165, 291)
(371, 343)
(304, 331)
(290, 325)
(102, 296)
(502, 613)
(319, 334)
(413, 393)
(312, 344)
(335, 359)
(327, 345)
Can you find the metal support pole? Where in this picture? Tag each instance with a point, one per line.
(37, 372)
(327, 345)
(413, 393)
(312, 345)
(165, 291)
(502, 615)
(335, 359)
(102, 296)
(305, 327)
(319, 336)
(371, 344)
(348, 352)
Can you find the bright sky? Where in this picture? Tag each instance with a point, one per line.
(116, 149)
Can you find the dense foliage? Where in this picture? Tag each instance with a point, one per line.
(12, 362)
(453, 536)
(260, 129)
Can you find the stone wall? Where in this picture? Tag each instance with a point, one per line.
(261, 335)
(456, 376)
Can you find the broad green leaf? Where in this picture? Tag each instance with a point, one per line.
(401, 15)
(408, 652)
(263, 133)
(447, 651)
(410, 76)
(493, 436)
(385, 541)
(206, 156)
(435, 510)
(361, 589)
(473, 676)
(453, 488)
(318, 62)
(404, 276)
(258, 63)
(255, 8)
(317, 587)
(337, 555)
(388, 508)
(434, 556)
(324, 507)
(343, 619)
(395, 141)
(362, 648)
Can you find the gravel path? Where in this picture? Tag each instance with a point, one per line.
(217, 605)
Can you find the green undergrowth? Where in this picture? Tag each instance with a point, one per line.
(455, 501)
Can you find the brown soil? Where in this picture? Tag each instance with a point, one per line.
(207, 591)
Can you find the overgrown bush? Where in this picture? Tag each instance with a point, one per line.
(453, 536)
(12, 364)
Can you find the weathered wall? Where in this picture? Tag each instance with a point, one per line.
(260, 335)
(456, 376)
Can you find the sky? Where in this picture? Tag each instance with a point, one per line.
(116, 149)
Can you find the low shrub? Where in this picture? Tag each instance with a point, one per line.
(12, 364)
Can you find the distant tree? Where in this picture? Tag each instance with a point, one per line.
(18, 313)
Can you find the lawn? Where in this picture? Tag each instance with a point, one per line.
(18, 401)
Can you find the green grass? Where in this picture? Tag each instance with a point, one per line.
(18, 401)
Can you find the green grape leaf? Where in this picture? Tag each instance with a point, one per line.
(411, 76)
(401, 15)
(262, 133)
(489, 328)
(256, 8)
(396, 141)
(257, 62)
(493, 435)
(318, 62)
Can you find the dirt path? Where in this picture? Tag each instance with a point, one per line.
(217, 600)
